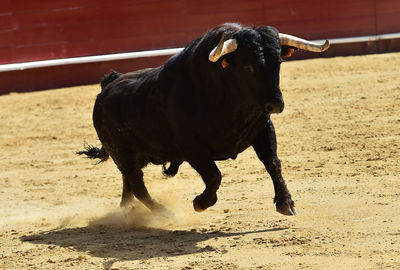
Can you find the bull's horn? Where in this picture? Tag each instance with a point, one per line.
(302, 43)
(224, 47)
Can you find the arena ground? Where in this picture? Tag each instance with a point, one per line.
(339, 142)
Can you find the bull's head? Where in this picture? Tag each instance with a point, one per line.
(258, 58)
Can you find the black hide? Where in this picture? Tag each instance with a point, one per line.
(194, 110)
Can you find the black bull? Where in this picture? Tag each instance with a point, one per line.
(197, 110)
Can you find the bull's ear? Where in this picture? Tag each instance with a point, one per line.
(287, 51)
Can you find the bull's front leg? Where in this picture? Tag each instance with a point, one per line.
(211, 176)
(266, 150)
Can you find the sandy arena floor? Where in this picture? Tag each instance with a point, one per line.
(339, 142)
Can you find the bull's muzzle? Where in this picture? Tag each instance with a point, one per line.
(274, 107)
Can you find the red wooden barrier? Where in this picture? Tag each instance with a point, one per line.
(47, 29)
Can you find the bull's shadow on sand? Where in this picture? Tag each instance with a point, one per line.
(133, 243)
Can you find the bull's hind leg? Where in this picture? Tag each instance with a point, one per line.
(133, 180)
(133, 184)
(211, 176)
(266, 149)
(127, 196)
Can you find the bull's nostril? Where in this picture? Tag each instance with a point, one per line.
(269, 108)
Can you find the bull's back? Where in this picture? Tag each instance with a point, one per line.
(130, 113)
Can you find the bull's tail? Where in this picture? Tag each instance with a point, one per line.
(172, 169)
(109, 78)
(94, 153)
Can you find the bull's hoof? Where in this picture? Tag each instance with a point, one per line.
(128, 210)
(285, 206)
(127, 202)
(197, 207)
(201, 202)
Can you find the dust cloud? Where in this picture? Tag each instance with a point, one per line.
(136, 216)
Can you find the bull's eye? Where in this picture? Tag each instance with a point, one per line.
(248, 68)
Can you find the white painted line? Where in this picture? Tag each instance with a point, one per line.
(152, 53)
(360, 39)
(87, 59)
